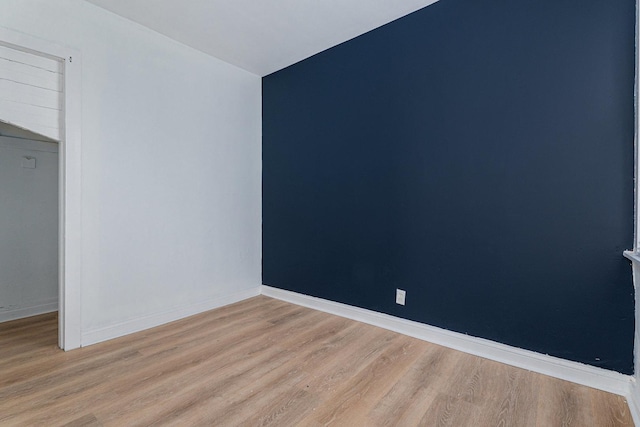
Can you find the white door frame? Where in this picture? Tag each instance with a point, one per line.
(69, 188)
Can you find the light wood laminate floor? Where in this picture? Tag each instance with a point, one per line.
(267, 362)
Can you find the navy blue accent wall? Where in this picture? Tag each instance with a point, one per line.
(476, 153)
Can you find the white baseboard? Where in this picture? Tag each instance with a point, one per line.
(28, 311)
(602, 379)
(140, 324)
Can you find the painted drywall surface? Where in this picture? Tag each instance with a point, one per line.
(28, 225)
(171, 164)
(478, 155)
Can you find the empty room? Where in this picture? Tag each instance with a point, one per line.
(351, 213)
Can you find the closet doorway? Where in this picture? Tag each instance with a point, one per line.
(40, 95)
(28, 223)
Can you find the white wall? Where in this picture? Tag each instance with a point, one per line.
(171, 168)
(28, 228)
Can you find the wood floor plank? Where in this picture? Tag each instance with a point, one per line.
(450, 411)
(563, 404)
(264, 362)
(354, 399)
(609, 410)
(410, 397)
(515, 401)
(88, 420)
(325, 378)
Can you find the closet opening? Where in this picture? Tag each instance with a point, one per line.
(29, 242)
(40, 129)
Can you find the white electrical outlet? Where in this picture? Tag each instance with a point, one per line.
(400, 296)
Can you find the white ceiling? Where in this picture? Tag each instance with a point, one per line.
(262, 36)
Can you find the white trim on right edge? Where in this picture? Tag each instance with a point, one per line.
(632, 401)
(634, 393)
(602, 379)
